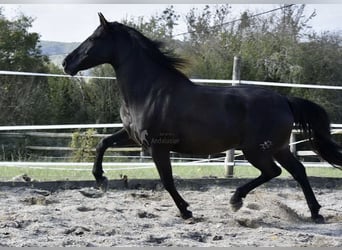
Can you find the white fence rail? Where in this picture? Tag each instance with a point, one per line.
(210, 81)
(56, 127)
(336, 128)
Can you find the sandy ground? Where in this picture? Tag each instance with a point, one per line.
(86, 217)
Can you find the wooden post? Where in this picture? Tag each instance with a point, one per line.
(229, 160)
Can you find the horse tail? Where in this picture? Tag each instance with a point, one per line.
(313, 120)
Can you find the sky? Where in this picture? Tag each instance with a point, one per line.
(75, 22)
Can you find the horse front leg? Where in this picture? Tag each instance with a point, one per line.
(161, 158)
(119, 137)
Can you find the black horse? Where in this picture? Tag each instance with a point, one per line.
(164, 111)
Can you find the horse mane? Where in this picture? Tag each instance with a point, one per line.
(155, 50)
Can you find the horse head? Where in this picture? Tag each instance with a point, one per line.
(105, 45)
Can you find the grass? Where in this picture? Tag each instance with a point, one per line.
(184, 172)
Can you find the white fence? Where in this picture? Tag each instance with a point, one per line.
(210, 81)
(115, 166)
(336, 129)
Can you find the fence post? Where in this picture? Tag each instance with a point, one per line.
(229, 160)
(293, 140)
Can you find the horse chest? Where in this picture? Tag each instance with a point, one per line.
(133, 124)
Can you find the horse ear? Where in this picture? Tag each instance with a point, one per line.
(103, 21)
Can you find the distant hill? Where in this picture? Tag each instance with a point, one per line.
(57, 51)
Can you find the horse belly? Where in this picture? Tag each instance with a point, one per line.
(206, 142)
(211, 128)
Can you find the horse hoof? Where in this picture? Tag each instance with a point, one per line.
(236, 203)
(318, 219)
(102, 184)
(186, 215)
(236, 206)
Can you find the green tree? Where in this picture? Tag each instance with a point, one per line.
(104, 96)
(266, 43)
(158, 27)
(320, 61)
(23, 99)
(68, 100)
(207, 45)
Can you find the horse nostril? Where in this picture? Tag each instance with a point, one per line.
(64, 63)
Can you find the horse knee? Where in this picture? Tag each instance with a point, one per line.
(101, 145)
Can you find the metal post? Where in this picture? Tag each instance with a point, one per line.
(142, 154)
(236, 71)
(229, 160)
(229, 163)
(293, 140)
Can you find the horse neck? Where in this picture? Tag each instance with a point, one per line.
(139, 78)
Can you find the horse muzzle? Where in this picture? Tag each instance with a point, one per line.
(68, 69)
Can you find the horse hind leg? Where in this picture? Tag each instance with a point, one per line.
(297, 170)
(262, 161)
